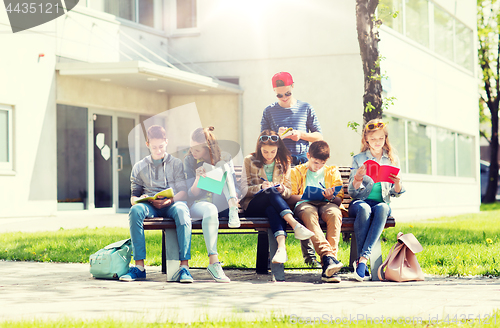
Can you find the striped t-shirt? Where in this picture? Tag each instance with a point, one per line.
(300, 117)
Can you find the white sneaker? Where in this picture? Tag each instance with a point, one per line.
(280, 256)
(217, 273)
(302, 233)
(234, 219)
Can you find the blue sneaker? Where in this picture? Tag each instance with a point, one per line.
(134, 274)
(359, 270)
(183, 275)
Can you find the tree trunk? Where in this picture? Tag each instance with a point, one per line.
(368, 45)
(491, 190)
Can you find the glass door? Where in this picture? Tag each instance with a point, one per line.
(113, 154)
(103, 164)
(125, 160)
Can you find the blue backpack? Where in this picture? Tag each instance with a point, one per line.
(112, 261)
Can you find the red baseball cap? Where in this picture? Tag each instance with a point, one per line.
(282, 79)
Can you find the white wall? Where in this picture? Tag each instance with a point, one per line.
(28, 84)
(433, 90)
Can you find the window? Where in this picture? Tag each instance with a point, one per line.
(464, 46)
(6, 138)
(443, 33)
(445, 146)
(145, 12)
(419, 148)
(453, 155)
(186, 13)
(72, 132)
(386, 11)
(465, 145)
(417, 19)
(397, 137)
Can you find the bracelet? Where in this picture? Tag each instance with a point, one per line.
(358, 179)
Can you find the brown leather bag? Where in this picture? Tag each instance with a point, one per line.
(401, 263)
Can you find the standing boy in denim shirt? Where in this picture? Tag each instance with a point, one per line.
(151, 175)
(316, 174)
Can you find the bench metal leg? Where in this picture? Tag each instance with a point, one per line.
(354, 252)
(262, 253)
(277, 269)
(163, 253)
(171, 252)
(376, 259)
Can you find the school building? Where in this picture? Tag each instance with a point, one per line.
(73, 89)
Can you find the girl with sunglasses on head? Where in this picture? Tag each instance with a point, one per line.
(209, 206)
(266, 184)
(370, 201)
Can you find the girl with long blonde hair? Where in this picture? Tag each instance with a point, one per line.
(370, 204)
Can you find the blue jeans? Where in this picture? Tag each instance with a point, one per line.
(270, 203)
(299, 159)
(370, 221)
(209, 224)
(179, 211)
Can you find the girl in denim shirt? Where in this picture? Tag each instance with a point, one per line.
(370, 205)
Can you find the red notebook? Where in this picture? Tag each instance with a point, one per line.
(380, 173)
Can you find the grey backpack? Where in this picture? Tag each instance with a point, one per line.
(112, 261)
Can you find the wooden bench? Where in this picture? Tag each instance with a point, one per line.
(266, 243)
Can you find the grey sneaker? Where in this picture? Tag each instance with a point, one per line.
(217, 273)
(234, 218)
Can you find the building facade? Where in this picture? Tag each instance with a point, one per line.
(108, 66)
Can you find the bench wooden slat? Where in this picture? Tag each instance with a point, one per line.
(246, 223)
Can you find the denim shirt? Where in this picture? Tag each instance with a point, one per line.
(367, 184)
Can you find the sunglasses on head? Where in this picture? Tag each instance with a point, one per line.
(272, 138)
(374, 126)
(287, 94)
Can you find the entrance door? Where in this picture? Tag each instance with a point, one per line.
(112, 157)
(126, 150)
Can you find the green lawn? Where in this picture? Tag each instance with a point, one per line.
(272, 322)
(466, 244)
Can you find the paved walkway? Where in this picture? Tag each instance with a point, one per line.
(50, 290)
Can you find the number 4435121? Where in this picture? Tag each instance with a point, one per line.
(471, 318)
(34, 8)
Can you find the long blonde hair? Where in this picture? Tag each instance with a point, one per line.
(387, 145)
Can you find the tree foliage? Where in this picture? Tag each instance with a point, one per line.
(488, 28)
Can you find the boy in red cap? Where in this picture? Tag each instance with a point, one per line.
(286, 113)
(289, 112)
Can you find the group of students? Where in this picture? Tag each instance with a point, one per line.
(269, 187)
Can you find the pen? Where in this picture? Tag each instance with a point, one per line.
(289, 129)
(322, 185)
(263, 179)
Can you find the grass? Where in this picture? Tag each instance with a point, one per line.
(467, 244)
(272, 322)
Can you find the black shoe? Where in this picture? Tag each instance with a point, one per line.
(313, 263)
(333, 278)
(330, 266)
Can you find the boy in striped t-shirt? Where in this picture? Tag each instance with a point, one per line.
(289, 112)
